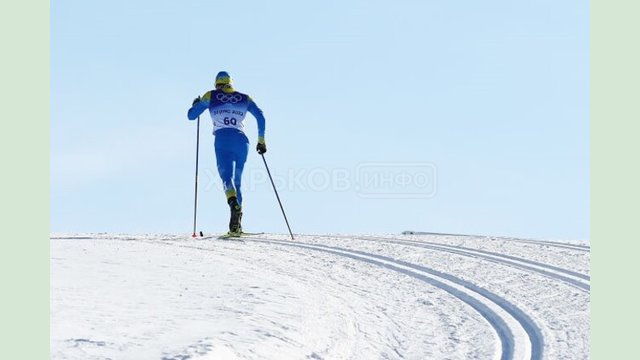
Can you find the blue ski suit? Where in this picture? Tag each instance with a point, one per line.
(228, 108)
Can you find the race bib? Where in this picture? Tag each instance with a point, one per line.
(228, 118)
(228, 110)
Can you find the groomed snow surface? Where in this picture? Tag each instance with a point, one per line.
(411, 296)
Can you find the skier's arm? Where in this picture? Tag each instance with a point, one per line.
(257, 113)
(199, 106)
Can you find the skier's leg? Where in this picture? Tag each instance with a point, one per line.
(242, 150)
(224, 163)
(225, 158)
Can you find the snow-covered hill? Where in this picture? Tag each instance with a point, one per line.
(410, 296)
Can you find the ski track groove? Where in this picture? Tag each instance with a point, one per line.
(494, 257)
(506, 256)
(502, 329)
(577, 247)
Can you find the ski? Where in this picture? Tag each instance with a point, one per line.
(233, 235)
(227, 236)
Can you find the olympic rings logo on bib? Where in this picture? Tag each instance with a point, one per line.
(232, 98)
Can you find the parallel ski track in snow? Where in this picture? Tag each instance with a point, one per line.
(519, 336)
(510, 323)
(572, 278)
(577, 247)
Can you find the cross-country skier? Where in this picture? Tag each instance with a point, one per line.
(228, 109)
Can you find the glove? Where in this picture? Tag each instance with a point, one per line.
(195, 101)
(261, 148)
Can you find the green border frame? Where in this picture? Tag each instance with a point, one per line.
(24, 145)
(615, 94)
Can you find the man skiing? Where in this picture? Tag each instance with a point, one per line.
(228, 108)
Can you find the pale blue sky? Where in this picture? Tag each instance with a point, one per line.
(488, 99)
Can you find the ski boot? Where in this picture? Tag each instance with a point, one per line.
(236, 216)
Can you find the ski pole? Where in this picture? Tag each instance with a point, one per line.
(195, 200)
(278, 197)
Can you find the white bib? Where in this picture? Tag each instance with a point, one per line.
(228, 116)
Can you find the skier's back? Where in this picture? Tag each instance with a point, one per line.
(228, 109)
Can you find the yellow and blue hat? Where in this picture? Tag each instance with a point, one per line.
(223, 78)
